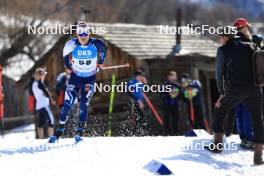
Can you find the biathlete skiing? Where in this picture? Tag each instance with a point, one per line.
(83, 58)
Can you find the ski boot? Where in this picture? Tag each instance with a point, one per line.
(216, 146)
(247, 145)
(258, 160)
(79, 133)
(59, 132)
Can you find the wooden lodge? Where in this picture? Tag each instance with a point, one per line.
(145, 47)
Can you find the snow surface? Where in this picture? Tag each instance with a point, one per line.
(120, 156)
(26, 132)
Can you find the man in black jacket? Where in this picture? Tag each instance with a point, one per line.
(237, 72)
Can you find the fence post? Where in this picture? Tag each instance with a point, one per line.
(1, 99)
(111, 104)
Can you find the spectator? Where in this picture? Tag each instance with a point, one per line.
(225, 35)
(192, 96)
(42, 96)
(244, 126)
(243, 123)
(235, 61)
(171, 104)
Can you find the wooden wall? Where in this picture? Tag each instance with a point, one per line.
(15, 99)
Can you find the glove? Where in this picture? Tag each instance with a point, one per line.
(68, 71)
(99, 67)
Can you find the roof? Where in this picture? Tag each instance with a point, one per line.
(149, 42)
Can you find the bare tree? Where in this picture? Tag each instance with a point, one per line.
(21, 39)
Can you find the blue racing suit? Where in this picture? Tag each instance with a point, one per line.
(82, 60)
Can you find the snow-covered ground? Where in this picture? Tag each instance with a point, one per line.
(121, 156)
(26, 132)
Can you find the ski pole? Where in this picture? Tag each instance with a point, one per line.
(206, 122)
(207, 125)
(192, 112)
(111, 103)
(156, 114)
(115, 66)
(189, 94)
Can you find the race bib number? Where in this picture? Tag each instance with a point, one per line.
(84, 60)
